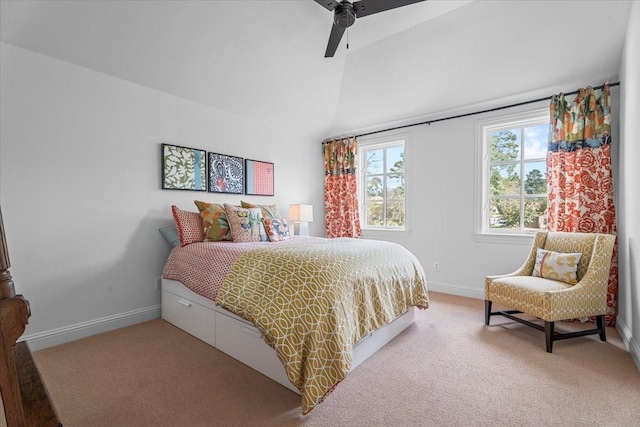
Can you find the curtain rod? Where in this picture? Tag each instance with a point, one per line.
(428, 122)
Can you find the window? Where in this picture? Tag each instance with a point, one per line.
(381, 184)
(514, 173)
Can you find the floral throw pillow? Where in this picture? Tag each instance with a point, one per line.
(189, 225)
(246, 224)
(557, 266)
(214, 221)
(268, 211)
(277, 229)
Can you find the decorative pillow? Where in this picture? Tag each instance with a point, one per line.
(189, 225)
(171, 235)
(214, 221)
(246, 224)
(268, 211)
(557, 266)
(277, 229)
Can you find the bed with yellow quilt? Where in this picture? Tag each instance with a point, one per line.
(303, 311)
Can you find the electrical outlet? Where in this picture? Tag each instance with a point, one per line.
(436, 265)
(157, 284)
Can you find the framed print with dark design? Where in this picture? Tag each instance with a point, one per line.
(259, 178)
(183, 168)
(226, 173)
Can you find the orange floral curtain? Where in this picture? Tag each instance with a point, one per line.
(342, 218)
(579, 175)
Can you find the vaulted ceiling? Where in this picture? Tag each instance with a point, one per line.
(265, 59)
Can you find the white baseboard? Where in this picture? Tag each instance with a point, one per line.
(70, 333)
(462, 291)
(629, 342)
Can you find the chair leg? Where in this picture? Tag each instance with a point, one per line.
(601, 326)
(487, 311)
(548, 331)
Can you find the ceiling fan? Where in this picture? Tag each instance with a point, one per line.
(345, 13)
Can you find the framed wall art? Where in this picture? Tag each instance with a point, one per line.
(226, 173)
(259, 178)
(183, 168)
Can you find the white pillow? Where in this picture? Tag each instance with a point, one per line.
(557, 266)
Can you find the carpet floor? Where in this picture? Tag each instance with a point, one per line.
(447, 369)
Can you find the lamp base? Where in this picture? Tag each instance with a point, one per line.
(300, 228)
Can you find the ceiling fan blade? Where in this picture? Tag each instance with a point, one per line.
(369, 7)
(334, 41)
(330, 5)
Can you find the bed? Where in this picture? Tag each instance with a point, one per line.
(303, 312)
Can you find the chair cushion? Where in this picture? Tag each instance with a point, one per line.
(524, 293)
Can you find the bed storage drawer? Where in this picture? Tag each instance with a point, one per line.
(242, 341)
(189, 316)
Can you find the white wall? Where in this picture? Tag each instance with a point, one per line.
(80, 187)
(629, 198)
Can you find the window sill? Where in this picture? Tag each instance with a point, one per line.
(373, 234)
(510, 238)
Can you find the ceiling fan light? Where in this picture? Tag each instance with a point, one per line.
(344, 15)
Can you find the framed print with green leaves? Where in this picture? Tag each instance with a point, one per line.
(183, 168)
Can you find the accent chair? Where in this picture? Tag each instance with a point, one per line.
(565, 277)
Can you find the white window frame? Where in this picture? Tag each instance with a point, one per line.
(483, 232)
(376, 142)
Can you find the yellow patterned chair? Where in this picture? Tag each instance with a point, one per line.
(536, 289)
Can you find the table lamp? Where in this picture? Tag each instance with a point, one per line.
(301, 216)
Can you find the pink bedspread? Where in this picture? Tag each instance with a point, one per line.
(202, 267)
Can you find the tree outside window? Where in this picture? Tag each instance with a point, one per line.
(383, 181)
(516, 184)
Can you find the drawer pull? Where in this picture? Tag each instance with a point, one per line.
(252, 331)
(184, 302)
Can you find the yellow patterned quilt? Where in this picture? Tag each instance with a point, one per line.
(314, 300)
